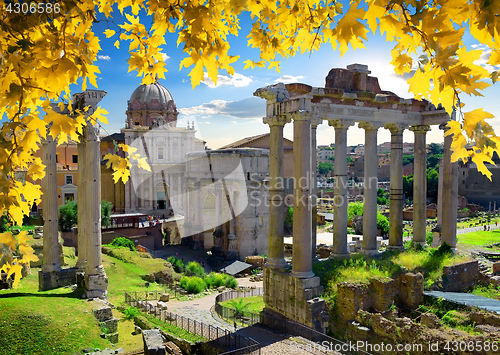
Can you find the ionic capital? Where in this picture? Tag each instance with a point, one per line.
(420, 129)
(302, 116)
(370, 126)
(280, 120)
(340, 123)
(396, 128)
(315, 121)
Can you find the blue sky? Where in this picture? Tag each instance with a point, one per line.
(229, 112)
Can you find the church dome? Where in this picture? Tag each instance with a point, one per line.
(151, 105)
(145, 94)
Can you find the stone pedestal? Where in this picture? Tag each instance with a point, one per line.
(96, 286)
(294, 298)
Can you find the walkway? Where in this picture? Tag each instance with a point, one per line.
(467, 299)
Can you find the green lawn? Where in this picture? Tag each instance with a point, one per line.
(479, 238)
(255, 303)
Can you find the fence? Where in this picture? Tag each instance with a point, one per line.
(321, 341)
(231, 314)
(281, 325)
(236, 344)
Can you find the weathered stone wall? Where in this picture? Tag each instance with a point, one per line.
(295, 299)
(460, 277)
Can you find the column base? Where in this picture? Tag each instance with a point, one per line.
(369, 252)
(396, 247)
(302, 274)
(96, 286)
(338, 256)
(56, 279)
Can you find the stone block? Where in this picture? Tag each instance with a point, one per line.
(255, 260)
(351, 298)
(153, 342)
(382, 293)
(487, 329)
(495, 280)
(47, 280)
(496, 268)
(112, 338)
(430, 320)
(103, 314)
(96, 286)
(162, 305)
(412, 290)
(111, 325)
(304, 284)
(165, 297)
(461, 277)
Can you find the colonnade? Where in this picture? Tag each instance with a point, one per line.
(304, 243)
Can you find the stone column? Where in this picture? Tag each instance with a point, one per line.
(301, 259)
(276, 249)
(436, 231)
(419, 184)
(450, 195)
(81, 263)
(370, 188)
(96, 281)
(151, 183)
(50, 211)
(314, 185)
(340, 188)
(397, 195)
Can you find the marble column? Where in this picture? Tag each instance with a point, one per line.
(151, 183)
(450, 195)
(95, 278)
(397, 195)
(419, 184)
(276, 249)
(370, 188)
(50, 211)
(341, 199)
(314, 185)
(81, 263)
(301, 259)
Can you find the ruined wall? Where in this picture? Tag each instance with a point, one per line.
(461, 277)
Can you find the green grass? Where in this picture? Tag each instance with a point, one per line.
(490, 291)
(172, 329)
(255, 303)
(479, 237)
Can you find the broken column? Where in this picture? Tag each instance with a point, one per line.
(48, 278)
(95, 280)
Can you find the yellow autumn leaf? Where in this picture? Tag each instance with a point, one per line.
(98, 115)
(472, 118)
(141, 163)
(109, 33)
(479, 159)
(8, 239)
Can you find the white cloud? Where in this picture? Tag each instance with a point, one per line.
(289, 79)
(249, 108)
(165, 56)
(104, 57)
(237, 80)
(234, 122)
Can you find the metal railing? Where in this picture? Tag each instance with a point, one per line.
(230, 313)
(234, 343)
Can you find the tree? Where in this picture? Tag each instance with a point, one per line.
(381, 200)
(331, 158)
(432, 182)
(68, 215)
(408, 159)
(45, 52)
(408, 186)
(325, 168)
(433, 160)
(350, 160)
(435, 148)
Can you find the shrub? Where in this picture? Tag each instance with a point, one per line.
(195, 284)
(123, 242)
(231, 282)
(195, 268)
(68, 215)
(183, 282)
(214, 280)
(354, 209)
(130, 312)
(177, 263)
(382, 223)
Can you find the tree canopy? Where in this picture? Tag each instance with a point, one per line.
(48, 48)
